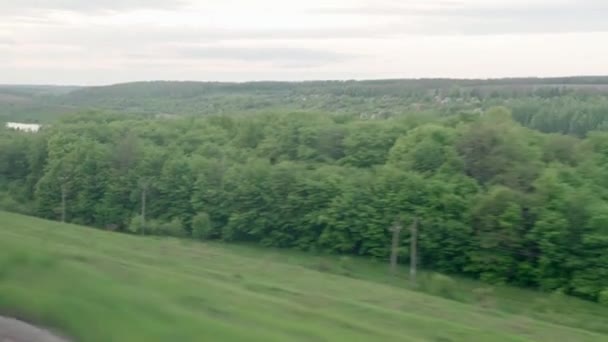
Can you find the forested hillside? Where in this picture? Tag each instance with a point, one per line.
(570, 105)
(494, 199)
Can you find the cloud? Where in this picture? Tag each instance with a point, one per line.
(471, 8)
(32, 7)
(98, 41)
(139, 37)
(285, 56)
(5, 41)
(488, 17)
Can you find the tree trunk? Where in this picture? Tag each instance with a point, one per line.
(143, 209)
(63, 196)
(395, 247)
(413, 250)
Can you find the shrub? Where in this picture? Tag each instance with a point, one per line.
(201, 226)
(136, 225)
(9, 204)
(228, 233)
(153, 227)
(442, 285)
(172, 228)
(156, 227)
(346, 266)
(603, 297)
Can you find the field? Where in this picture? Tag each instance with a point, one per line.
(93, 285)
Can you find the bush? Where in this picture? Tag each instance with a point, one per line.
(136, 225)
(442, 285)
(603, 297)
(559, 294)
(201, 226)
(152, 227)
(346, 265)
(9, 204)
(172, 228)
(228, 233)
(156, 227)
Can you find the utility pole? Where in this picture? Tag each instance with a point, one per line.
(413, 250)
(64, 177)
(143, 207)
(396, 229)
(63, 196)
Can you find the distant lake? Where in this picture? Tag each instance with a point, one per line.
(25, 127)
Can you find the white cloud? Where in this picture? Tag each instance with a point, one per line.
(90, 42)
(36, 7)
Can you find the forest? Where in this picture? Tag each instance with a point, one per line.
(548, 104)
(506, 189)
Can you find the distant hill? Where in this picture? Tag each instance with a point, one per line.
(374, 97)
(32, 103)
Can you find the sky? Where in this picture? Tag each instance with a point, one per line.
(92, 42)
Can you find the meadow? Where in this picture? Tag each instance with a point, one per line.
(93, 285)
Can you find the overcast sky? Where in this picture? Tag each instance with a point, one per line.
(110, 41)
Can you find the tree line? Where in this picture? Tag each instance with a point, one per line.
(493, 199)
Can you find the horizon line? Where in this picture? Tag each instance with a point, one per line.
(309, 81)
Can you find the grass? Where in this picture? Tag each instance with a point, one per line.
(98, 286)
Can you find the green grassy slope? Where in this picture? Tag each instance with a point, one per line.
(100, 286)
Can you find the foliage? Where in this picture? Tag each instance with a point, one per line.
(567, 105)
(603, 298)
(494, 200)
(136, 225)
(201, 226)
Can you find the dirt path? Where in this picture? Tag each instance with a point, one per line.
(12, 330)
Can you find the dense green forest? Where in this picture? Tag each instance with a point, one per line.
(570, 105)
(499, 194)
